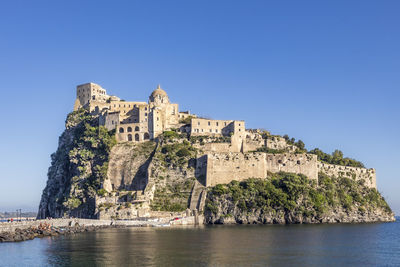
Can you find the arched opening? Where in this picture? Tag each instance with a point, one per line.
(129, 137)
(137, 129)
(129, 129)
(136, 137)
(121, 130)
(146, 136)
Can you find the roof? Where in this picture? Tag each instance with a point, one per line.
(158, 91)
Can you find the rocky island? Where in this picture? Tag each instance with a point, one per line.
(119, 159)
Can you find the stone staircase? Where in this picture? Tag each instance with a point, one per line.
(198, 197)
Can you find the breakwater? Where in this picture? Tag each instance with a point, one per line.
(25, 230)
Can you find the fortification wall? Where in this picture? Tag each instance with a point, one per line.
(279, 143)
(369, 175)
(306, 164)
(222, 168)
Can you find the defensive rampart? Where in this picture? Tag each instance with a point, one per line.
(295, 163)
(368, 175)
(222, 168)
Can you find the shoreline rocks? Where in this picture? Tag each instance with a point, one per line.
(45, 230)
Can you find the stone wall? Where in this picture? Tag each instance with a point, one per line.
(295, 163)
(279, 143)
(224, 167)
(369, 175)
(216, 127)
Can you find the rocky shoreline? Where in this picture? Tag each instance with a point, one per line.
(44, 230)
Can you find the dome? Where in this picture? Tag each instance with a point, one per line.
(158, 92)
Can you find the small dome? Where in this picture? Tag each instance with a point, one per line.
(158, 91)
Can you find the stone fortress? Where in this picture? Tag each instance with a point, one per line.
(219, 162)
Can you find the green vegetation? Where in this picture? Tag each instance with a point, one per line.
(186, 120)
(336, 158)
(72, 203)
(270, 150)
(101, 192)
(177, 154)
(173, 197)
(290, 192)
(87, 157)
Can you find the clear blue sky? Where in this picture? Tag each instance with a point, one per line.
(325, 72)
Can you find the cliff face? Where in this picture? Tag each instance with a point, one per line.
(78, 168)
(290, 198)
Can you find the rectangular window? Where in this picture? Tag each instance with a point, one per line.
(217, 123)
(209, 123)
(210, 131)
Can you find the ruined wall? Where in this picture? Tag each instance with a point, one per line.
(224, 167)
(369, 175)
(306, 164)
(279, 143)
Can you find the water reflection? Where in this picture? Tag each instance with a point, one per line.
(273, 245)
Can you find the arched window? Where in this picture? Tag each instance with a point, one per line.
(137, 129)
(136, 137)
(129, 137)
(121, 130)
(146, 136)
(129, 129)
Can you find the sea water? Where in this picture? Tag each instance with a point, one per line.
(375, 244)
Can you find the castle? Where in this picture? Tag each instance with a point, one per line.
(221, 162)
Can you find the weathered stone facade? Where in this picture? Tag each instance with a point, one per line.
(368, 175)
(222, 168)
(133, 121)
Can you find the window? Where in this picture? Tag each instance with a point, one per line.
(210, 131)
(157, 118)
(209, 123)
(121, 130)
(136, 137)
(217, 123)
(145, 114)
(129, 129)
(145, 108)
(137, 129)
(146, 136)
(216, 130)
(298, 162)
(198, 123)
(225, 123)
(129, 137)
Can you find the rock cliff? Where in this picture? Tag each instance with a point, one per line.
(78, 168)
(289, 198)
